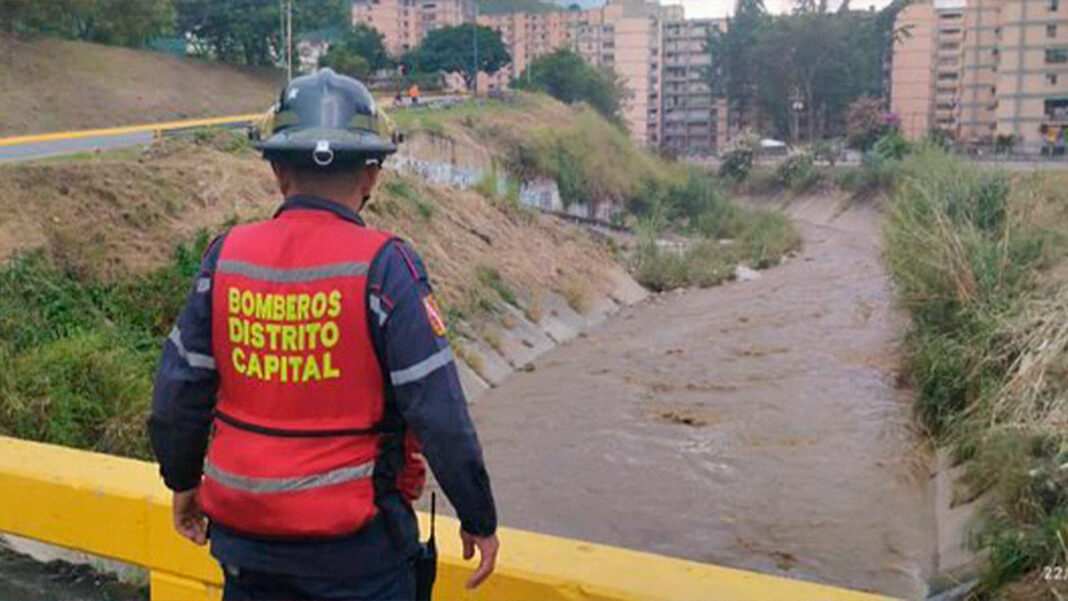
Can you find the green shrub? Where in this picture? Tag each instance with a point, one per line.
(88, 390)
(402, 189)
(892, 146)
(987, 345)
(737, 164)
(798, 173)
(491, 278)
(80, 353)
(827, 150)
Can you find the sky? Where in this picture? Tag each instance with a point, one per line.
(720, 8)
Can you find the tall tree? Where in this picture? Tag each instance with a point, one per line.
(248, 31)
(359, 52)
(118, 22)
(465, 49)
(564, 75)
(732, 72)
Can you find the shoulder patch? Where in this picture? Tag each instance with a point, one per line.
(434, 315)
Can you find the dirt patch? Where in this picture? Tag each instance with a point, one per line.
(697, 416)
(57, 85)
(107, 217)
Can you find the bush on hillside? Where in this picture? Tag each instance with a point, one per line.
(865, 123)
(564, 75)
(798, 173)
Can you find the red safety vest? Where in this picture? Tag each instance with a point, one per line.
(301, 390)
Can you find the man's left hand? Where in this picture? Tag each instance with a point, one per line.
(189, 520)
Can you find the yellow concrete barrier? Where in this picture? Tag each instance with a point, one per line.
(118, 508)
(156, 128)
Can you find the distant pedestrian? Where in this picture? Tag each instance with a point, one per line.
(414, 93)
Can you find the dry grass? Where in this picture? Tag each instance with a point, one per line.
(981, 260)
(535, 135)
(56, 85)
(109, 217)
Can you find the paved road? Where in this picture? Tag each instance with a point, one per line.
(38, 150)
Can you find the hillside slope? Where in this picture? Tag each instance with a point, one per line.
(57, 85)
(97, 254)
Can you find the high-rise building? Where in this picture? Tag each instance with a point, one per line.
(693, 119)
(404, 23)
(1032, 73)
(983, 69)
(630, 36)
(912, 73)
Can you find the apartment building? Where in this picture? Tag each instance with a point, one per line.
(912, 73)
(983, 69)
(624, 35)
(1032, 75)
(529, 35)
(693, 121)
(404, 23)
(627, 35)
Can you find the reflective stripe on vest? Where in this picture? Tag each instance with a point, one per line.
(270, 485)
(301, 391)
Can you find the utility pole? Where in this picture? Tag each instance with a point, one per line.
(474, 41)
(289, 40)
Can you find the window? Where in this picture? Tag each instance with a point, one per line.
(1057, 55)
(947, 77)
(1051, 79)
(1052, 4)
(1051, 30)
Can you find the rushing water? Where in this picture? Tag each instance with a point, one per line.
(758, 424)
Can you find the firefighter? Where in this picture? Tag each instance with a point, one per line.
(312, 351)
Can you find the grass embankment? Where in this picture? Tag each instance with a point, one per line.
(56, 85)
(981, 262)
(594, 163)
(99, 255)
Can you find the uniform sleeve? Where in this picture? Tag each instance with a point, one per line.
(183, 398)
(408, 332)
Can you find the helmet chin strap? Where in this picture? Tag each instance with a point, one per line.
(363, 202)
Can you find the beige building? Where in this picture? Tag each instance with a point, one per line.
(912, 71)
(404, 23)
(1032, 75)
(624, 35)
(693, 121)
(629, 36)
(983, 69)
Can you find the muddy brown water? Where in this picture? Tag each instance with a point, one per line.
(758, 424)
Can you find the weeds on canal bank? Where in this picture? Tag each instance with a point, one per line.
(720, 235)
(981, 262)
(79, 353)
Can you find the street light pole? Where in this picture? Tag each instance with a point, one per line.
(474, 38)
(289, 40)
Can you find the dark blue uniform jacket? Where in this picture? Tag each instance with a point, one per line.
(424, 389)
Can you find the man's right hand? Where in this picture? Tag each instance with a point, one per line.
(487, 551)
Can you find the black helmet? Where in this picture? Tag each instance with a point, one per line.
(327, 120)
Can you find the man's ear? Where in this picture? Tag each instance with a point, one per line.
(371, 172)
(282, 176)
